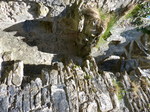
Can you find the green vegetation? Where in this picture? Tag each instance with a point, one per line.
(101, 41)
(75, 66)
(144, 84)
(103, 15)
(87, 77)
(134, 11)
(91, 64)
(135, 88)
(138, 12)
(118, 89)
(108, 21)
(110, 24)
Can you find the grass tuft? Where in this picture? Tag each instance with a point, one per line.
(134, 11)
(119, 89)
(110, 24)
(108, 20)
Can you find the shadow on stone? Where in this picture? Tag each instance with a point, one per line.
(40, 33)
(31, 70)
(110, 65)
(49, 34)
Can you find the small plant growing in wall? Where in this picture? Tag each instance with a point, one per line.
(138, 12)
(87, 77)
(118, 89)
(135, 88)
(144, 83)
(108, 20)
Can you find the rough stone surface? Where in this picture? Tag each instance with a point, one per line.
(52, 38)
(105, 91)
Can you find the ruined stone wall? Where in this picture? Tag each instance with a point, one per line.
(41, 71)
